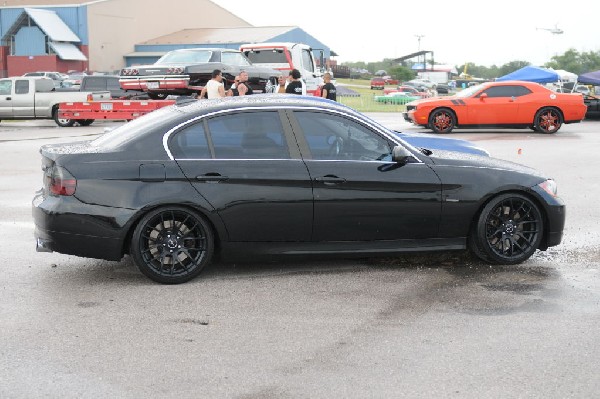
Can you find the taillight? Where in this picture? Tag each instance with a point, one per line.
(60, 182)
(90, 97)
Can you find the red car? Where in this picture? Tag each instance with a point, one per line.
(509, 104)
(377, 83)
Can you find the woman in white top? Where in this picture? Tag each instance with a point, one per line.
(214, 88)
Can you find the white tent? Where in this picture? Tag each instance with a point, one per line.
(566, 76)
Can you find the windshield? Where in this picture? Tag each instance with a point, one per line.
(185, 57)
(469, 91)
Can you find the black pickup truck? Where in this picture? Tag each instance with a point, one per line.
(106, 83)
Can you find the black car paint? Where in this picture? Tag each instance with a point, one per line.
(381, 207)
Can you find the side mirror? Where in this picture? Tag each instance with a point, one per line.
(401, 155)
(482, 96)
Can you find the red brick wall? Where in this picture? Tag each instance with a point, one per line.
(17, 65)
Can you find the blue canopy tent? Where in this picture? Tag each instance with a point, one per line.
(590, 78)
(532, 74)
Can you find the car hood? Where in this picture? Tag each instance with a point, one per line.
(462, 159)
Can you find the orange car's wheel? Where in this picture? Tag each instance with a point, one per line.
(548, 120)
(442, 120)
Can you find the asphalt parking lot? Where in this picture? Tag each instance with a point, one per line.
(420, 326)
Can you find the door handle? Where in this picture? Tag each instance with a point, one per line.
(212, 178)
(330, 180)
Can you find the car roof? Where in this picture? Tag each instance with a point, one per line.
(259, 101)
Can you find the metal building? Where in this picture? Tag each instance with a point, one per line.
(105, 35)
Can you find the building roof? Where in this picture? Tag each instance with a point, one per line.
(67, 51)
(246, 34)
(51, 24)
(47, 3)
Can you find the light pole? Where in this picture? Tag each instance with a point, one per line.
(419, 41)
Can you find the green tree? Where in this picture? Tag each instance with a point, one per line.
(511, 67)
(402, 73)
(575, 62)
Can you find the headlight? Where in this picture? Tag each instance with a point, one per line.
(550, 187)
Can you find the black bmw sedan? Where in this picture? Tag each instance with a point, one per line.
(281, 175)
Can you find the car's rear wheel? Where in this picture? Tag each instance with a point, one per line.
(442, 120)
(172, 245)
(548, 120)
(508, 230)
(62, 122)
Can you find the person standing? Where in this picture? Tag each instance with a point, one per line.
(328, 90)
(295, 86)
(281, 84)
(243, 87)
(214, 88)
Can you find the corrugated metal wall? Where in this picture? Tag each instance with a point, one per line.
(30, 40)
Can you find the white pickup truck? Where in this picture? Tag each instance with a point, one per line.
(35, 98)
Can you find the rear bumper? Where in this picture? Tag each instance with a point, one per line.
(155, 83)
(69, 227)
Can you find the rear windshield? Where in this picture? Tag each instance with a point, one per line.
(185, 57)
(137, 127)
(267, 56)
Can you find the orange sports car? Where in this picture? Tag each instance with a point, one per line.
(509, 104)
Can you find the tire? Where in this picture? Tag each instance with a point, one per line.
(85, 122)
(171, 245)
(442, 120)
(548, 120)
(508, 230)
(62, 122)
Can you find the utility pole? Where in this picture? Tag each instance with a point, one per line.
(419, 41)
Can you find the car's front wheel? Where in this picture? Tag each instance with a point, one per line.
(548, 120)
(508, 231)
(442, 121)
(172, 245)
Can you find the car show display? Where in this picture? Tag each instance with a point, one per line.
(186, 71)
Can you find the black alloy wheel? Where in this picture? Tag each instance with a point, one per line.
(442, 120)
(548, 120)
(172, 245)
(508, 230)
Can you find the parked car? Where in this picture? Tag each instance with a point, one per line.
(423, 82)
(107, 83)
(186, 71)
(23, 98)
(398, 97)
(280, 175)
(593, 106)
(377, 83)
(508, 104)
(73, 79)
(413, 91)
(57, 77)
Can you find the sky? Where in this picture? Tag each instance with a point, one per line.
(479, 32)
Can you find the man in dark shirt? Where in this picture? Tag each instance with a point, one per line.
(295, 86)
(328, 90)
(243, 87)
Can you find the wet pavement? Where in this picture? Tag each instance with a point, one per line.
(418, 325)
